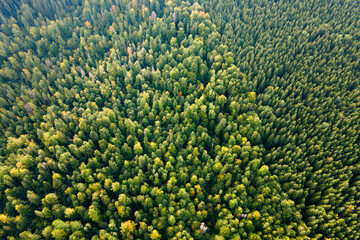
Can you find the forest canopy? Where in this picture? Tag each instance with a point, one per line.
(160, 119)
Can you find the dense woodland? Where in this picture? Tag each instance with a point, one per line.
(151, 119)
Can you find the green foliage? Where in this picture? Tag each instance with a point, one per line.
(190, 119)
(155, 235)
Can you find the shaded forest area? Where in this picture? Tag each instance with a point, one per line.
(150, 119)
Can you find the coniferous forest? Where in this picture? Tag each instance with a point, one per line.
(169, 119)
